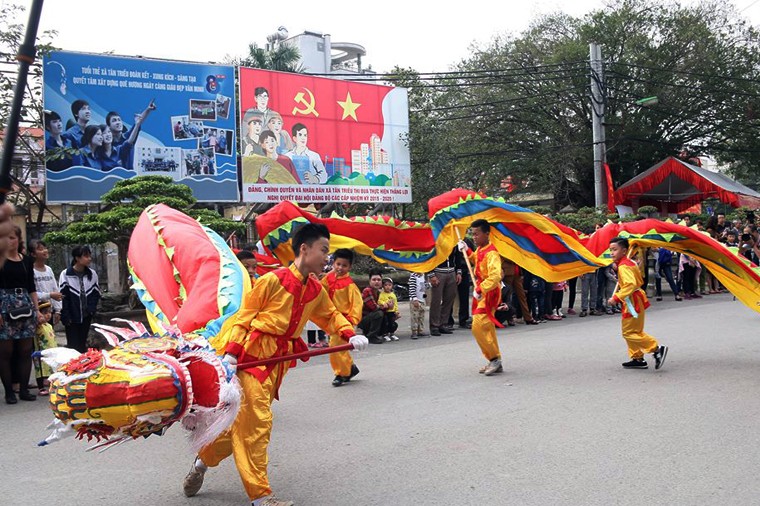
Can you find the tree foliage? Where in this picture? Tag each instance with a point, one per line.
(284, 58)
(30, 156)
(520, 105)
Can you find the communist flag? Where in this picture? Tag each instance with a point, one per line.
(339, 115)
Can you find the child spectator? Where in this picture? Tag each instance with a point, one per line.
(417, 296)
(389, 303)
(44, 339)
(557, 295)
(536, 288)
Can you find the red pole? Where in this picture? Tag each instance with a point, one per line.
(295, 356)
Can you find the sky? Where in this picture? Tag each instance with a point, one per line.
(424, 35)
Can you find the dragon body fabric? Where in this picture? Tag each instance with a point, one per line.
(534, 242)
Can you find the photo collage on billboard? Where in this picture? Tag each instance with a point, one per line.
(111, 118)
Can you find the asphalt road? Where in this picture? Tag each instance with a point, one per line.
(565, 424)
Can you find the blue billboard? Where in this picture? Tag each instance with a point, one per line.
(111, 118)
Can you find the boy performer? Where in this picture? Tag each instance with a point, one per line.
(347, 298)
(487, 294)
(268, 325)
(634, 301)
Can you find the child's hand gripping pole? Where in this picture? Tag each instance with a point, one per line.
(466, 257)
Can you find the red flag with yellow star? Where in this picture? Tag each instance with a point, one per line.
(355, 129)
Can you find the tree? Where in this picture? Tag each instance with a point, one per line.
(520, 106)
(122, 207)
(284, 57)
(29, 159)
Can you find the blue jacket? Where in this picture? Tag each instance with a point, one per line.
(73, 310)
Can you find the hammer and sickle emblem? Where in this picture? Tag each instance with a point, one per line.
(308, 108)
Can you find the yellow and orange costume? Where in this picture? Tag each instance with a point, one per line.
(488, 284)
(635, 302)
(347, 298)
(269, 325)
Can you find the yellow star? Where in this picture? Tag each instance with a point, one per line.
(349, 107)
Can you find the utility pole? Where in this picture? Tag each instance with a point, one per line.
(26, 54)
(597, 121)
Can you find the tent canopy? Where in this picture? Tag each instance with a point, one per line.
(673, 186)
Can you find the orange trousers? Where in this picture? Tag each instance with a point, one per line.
(485, 334)
(639, 342)
(341, 362)
(248, 438)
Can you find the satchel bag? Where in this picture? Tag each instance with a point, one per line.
(21, 312)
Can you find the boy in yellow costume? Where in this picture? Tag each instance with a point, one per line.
(347, 298)
(634, 301)
(487, 294)
(269, 324)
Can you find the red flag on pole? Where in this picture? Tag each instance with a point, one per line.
(610, 189)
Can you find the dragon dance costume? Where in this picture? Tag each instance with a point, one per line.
(269, 325)
(487, 283)
(635, 303)
(347, 298)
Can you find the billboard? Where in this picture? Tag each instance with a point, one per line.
(112, 118)
(313, 139)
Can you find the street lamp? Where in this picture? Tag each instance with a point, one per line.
(646, 102)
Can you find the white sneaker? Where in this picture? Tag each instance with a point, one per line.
(394, 337)
(194, 480)
(493, 367)
(387, 338)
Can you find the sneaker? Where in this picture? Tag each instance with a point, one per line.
(678, 299)
(659, 299)
(394, 337)
(583, 314)
(414, 335)
(696, 296)
(610, 311)
(553, 317)
(636, 363)
(338, 381)
(571, 311)
(445, 330)
(387, 339)
(493, 367)
(194, 480)
(483, 369)
(376, 340)
(354, 372)
(273, 501)
(560, 313)
(531, 322)
(595, 312)
(435, 332)
(423, 334)
(659, 356)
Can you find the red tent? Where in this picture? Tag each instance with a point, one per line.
(673, 186)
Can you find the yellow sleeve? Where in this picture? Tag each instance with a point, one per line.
(493, 268)
(355, 304)
(252, 303)
(395, 302)
(627, 282)
(327, 317)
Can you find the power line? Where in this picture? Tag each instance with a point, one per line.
(689, 73)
